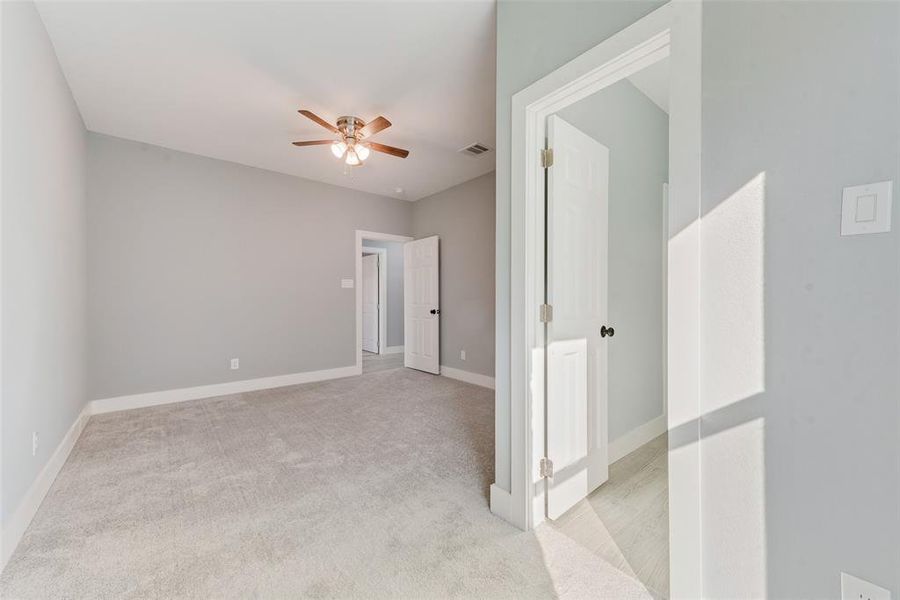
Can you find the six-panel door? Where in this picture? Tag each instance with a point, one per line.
(421, 308)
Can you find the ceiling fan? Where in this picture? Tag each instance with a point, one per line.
(353, 146)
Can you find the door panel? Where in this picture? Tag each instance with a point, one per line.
(421, 308)
(370, 303)
(577, 188)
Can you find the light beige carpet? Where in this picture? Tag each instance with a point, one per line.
(365, 487)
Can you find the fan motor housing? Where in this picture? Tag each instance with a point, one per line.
(349, 125)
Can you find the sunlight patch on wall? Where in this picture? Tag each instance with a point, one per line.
(732, 343)
(732, 429)
(734, 510)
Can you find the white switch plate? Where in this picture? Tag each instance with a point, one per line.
(462, 355)
(867, 208)
(346, 283)
(854, 588)
(235, 364)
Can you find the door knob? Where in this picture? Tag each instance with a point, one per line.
(435, 311)
(607, 331)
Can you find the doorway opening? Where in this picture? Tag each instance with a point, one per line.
(540, 486)
(604, 417)
(379, 300)
(397, 302)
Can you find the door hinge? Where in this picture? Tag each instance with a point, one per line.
(547, 157)
(546, 467)
(546, 313)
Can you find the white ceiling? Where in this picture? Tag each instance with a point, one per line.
(654, 82)
(226, 79)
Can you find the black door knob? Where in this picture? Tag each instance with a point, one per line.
(435, 311)
(607, 331)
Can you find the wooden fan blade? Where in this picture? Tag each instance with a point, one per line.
(313, 143)
(319, 120)
(399, 152)
(373, 127)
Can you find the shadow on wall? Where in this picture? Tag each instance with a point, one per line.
(800, 419)
(732, 422)
(748, 414)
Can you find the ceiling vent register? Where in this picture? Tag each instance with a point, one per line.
(475, 149)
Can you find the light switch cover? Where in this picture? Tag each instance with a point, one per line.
(867, 208)
(346, 283)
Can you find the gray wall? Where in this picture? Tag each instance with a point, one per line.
(808, 94)
(463, 217)
(394, 316)
(193, 261)
(533, 39)
(636, 132)
(43, 252)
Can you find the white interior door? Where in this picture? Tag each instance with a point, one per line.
(577, 247)
(421, 308)
(370, 303)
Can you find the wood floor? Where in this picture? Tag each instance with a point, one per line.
(626, 520)
(380, 362)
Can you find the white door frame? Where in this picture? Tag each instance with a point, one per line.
(375, 236)
(382, 295)
(673, 30)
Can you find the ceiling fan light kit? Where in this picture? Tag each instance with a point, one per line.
(353, 146)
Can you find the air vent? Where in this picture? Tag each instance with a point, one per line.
(476, 149)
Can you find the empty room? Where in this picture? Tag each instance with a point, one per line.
(431, 299)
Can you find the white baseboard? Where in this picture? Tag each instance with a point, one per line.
(468, 377)
(637, 437)
(501, 503)
(106, 405)
(393, 350)
(14, 529)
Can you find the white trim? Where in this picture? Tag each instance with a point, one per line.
(665, 298)
(683, 305)
(673, 30)
(129, 402)
(468, 376)
(15, 527)
(375, 236)
(501, 503)
(627, 443)
(394, 349)
(382, 295)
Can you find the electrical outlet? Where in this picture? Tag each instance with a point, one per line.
(34, 443)
(854, 588)
(462, 355)
(235, 364)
